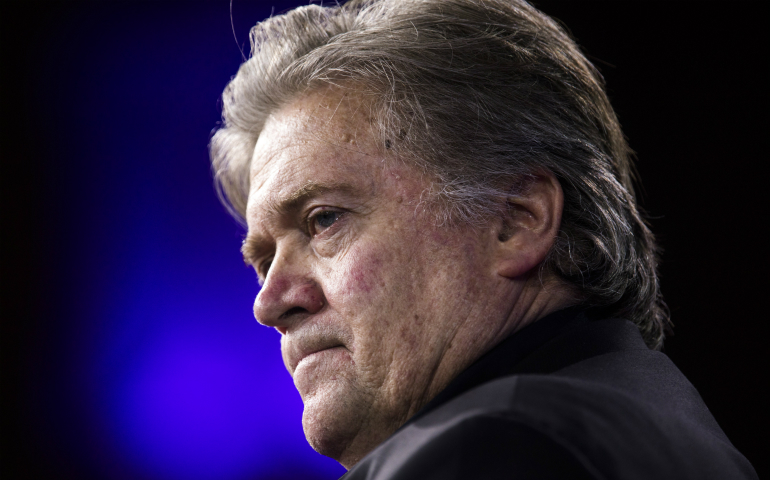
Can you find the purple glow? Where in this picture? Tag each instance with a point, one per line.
(206, 398)
(169, 374)
(189, 410)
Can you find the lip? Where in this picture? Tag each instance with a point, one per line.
(315, 353)
(300, 348)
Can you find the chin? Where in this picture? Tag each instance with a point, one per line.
(332, 420)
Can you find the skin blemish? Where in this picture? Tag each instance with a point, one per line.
(364, 277)
(361, 282)
(271, 292)
(314, 298)
(409, 337)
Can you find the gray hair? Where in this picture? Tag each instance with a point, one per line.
(478, 93)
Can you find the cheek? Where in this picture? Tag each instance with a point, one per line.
(363, 274)
(409, 332)
(380, 291)
(368, 285)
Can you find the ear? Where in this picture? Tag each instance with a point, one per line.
(529, 226)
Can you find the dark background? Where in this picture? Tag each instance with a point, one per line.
(128, 347)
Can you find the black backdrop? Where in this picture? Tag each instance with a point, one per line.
(689, 83)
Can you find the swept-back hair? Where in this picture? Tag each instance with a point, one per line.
(479, 94)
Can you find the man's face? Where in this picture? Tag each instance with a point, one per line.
(372, 299)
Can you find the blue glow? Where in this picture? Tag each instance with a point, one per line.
(172, 376)
(204, 406)
(194, 387)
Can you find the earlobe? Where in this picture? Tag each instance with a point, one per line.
(528, 228)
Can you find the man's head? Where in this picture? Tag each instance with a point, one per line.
(379, 307)
(421, 179)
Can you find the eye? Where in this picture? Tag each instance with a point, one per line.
(322, 221)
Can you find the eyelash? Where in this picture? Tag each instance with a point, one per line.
(314, 217)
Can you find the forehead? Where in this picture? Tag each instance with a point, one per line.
(323, 137)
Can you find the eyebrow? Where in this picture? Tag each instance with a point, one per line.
(288, 206)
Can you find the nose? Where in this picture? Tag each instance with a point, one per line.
(287, 296)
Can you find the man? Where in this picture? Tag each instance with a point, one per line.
(440, 211)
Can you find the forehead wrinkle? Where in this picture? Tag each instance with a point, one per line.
(306, 192)
(339, 110)
(275, 162)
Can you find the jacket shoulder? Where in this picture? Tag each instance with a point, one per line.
(571, 424)
(476, 437)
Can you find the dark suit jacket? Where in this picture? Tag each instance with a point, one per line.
(568, 397)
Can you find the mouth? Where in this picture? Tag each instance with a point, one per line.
(310, 356)
(304, 351)
(321, 370)
(313, 341)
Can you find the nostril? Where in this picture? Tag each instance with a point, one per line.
(293, 311)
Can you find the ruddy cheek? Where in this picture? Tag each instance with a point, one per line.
(363, 275)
